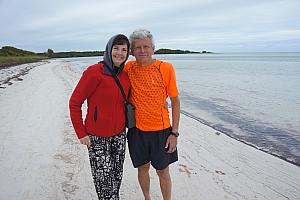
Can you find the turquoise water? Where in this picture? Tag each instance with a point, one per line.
(252, 97)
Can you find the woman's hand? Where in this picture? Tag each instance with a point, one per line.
(86, 141)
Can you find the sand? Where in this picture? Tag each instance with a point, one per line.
(41, 157)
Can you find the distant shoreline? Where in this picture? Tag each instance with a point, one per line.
(15, 62)
(11, 56)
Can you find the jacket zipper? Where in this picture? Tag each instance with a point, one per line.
(95, 113)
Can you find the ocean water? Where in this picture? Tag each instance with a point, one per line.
(252, 97)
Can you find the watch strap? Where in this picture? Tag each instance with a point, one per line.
(176, 134)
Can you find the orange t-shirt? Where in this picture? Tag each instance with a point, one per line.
(150, 87)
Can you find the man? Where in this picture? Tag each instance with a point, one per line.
(154, 140)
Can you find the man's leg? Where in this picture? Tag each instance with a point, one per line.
(165, 183)
(144, 180)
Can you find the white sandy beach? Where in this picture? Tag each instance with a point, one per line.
(41, 158)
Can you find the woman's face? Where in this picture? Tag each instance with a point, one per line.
(119, 54)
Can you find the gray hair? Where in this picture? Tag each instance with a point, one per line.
(141, 34)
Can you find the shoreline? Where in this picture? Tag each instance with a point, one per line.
(219, 131)
(11, 74)
(55, 165)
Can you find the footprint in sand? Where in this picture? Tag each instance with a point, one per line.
(185, 169)
(69, 188)
(65, 158)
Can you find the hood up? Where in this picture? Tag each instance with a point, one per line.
(107, 58)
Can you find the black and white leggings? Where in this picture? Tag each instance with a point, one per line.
(107, 156)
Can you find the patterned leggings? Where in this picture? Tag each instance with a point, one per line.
(107, 156)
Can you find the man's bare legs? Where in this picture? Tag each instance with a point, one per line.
(165, 183)
(164, 180)
(144, 180)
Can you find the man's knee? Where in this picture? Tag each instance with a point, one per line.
(144, 168)
(163, 173)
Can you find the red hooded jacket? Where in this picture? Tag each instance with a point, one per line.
(105, 114)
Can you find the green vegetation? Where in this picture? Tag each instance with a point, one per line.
(177, 51)
(12, 56)
(171, 51)
(50, 53)
(12, 51)
(18, 60)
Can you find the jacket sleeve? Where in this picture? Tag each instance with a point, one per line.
(85, 87)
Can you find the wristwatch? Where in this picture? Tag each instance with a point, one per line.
(176, 134)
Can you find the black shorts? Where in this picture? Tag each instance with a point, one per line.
(149, 146)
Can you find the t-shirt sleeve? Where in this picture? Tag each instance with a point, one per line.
(170, 80)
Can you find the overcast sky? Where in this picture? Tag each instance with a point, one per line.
(212, 25)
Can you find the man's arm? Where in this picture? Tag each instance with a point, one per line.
(175, 103)
(171, 143)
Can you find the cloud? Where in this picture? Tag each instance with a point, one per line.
(215, 25)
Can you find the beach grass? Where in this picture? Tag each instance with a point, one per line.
(6, 61)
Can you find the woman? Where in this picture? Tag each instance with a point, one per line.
(103, 130)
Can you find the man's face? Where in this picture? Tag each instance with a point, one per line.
(143, 50)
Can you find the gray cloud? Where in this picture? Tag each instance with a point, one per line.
(213, 25)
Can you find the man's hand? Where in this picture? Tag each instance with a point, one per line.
(171, 143)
